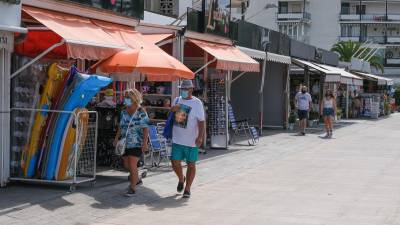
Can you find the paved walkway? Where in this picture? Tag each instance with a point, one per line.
(352, 179)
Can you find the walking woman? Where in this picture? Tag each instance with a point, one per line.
(134, 126)
(328, 108)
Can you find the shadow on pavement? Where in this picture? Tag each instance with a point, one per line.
(108, 191)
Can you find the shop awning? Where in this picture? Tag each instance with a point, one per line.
(345, 77)
(228, 57)
(379, 79)
(330, 76)
(157, 38)
(83, 39)
(256, 54)
(272, 57)
(278, 58)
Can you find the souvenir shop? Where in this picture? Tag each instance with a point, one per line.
(375, 96)
(50, 96)
(62, 106)
(315, 77)
(158, 91)
(214, 59)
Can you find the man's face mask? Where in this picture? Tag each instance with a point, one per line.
(184, 93)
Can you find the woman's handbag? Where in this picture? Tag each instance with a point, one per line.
(167, 133)
(121, 144)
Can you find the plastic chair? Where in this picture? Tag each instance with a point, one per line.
(242, 128)
(158, 147)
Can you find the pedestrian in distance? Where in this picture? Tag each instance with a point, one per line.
(187, 135)
(328, 109)
(303, 103)
(134, 126)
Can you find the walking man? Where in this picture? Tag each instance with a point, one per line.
(303, 104)
(187, 135)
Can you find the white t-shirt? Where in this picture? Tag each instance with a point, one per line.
(303, 101)
(186, 129)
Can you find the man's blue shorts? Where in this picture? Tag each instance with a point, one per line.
(303, 114)
(182, 152)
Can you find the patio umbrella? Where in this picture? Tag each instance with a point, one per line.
(155, 64)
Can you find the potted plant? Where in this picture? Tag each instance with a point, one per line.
(292, 121)
(338, 113)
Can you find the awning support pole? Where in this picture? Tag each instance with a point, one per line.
(205, 65)
(347, 101)
(41, 55)
(238, 76)
(261, 97)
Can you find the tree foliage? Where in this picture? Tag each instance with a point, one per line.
(346, 49)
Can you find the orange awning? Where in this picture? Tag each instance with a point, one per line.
(84, 40)
(157, 38)
(228, 57)
(143, 57)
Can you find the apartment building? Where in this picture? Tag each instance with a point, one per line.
(323, 23)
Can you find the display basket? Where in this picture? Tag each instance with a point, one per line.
(79, 160)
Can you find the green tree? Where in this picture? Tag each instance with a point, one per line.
(346, 49)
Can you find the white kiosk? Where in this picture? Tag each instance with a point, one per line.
(10, 23)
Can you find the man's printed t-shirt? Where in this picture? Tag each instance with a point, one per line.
(303, 101)
(186, 130)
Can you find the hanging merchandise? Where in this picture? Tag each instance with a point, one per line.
(216, 114)
(25, 95)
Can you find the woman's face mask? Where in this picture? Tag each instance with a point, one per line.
(127, 102)
(184, 93)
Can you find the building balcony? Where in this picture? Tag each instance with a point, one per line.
(393, 40)
(302, 38)
(353, 38)
(393, 17)
(290, 17)
(349, 17)
(393, 61)
(374, 39)
(366, 17)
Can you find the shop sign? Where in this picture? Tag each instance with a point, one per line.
(6, 40)
(217, 15)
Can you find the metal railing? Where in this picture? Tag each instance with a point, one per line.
(374, 39)
(293, 16)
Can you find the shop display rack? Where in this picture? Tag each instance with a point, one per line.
(157, 99)
(216, 114)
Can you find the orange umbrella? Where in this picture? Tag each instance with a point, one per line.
(142, 57)
(156, 65)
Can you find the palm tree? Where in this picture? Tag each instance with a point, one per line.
(346, 49)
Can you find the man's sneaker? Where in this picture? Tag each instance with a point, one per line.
(186, 194)
(130, 193)
(181, 185)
